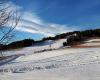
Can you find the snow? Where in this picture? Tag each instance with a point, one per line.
(92, 42)
(30, 50)
(59, 64)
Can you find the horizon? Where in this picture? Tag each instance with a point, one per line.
(52, 36)
(44, 18)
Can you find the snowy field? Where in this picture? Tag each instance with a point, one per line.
(92, 42)
(61, 64)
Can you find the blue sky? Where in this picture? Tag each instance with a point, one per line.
(41, 18)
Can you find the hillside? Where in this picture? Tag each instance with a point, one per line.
(58, 64)
(51, 59)
(72, 40)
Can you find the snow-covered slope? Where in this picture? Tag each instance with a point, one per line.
(38, 47)
(67, 64)
(51, 44)
(59, 64)
(92, 42)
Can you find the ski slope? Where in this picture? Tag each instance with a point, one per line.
(57, 44)
(60, 64)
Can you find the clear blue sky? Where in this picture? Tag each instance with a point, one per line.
(48, 15)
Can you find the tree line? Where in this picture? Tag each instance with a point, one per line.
(75, 37)
(19, 44)
(80, 34)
